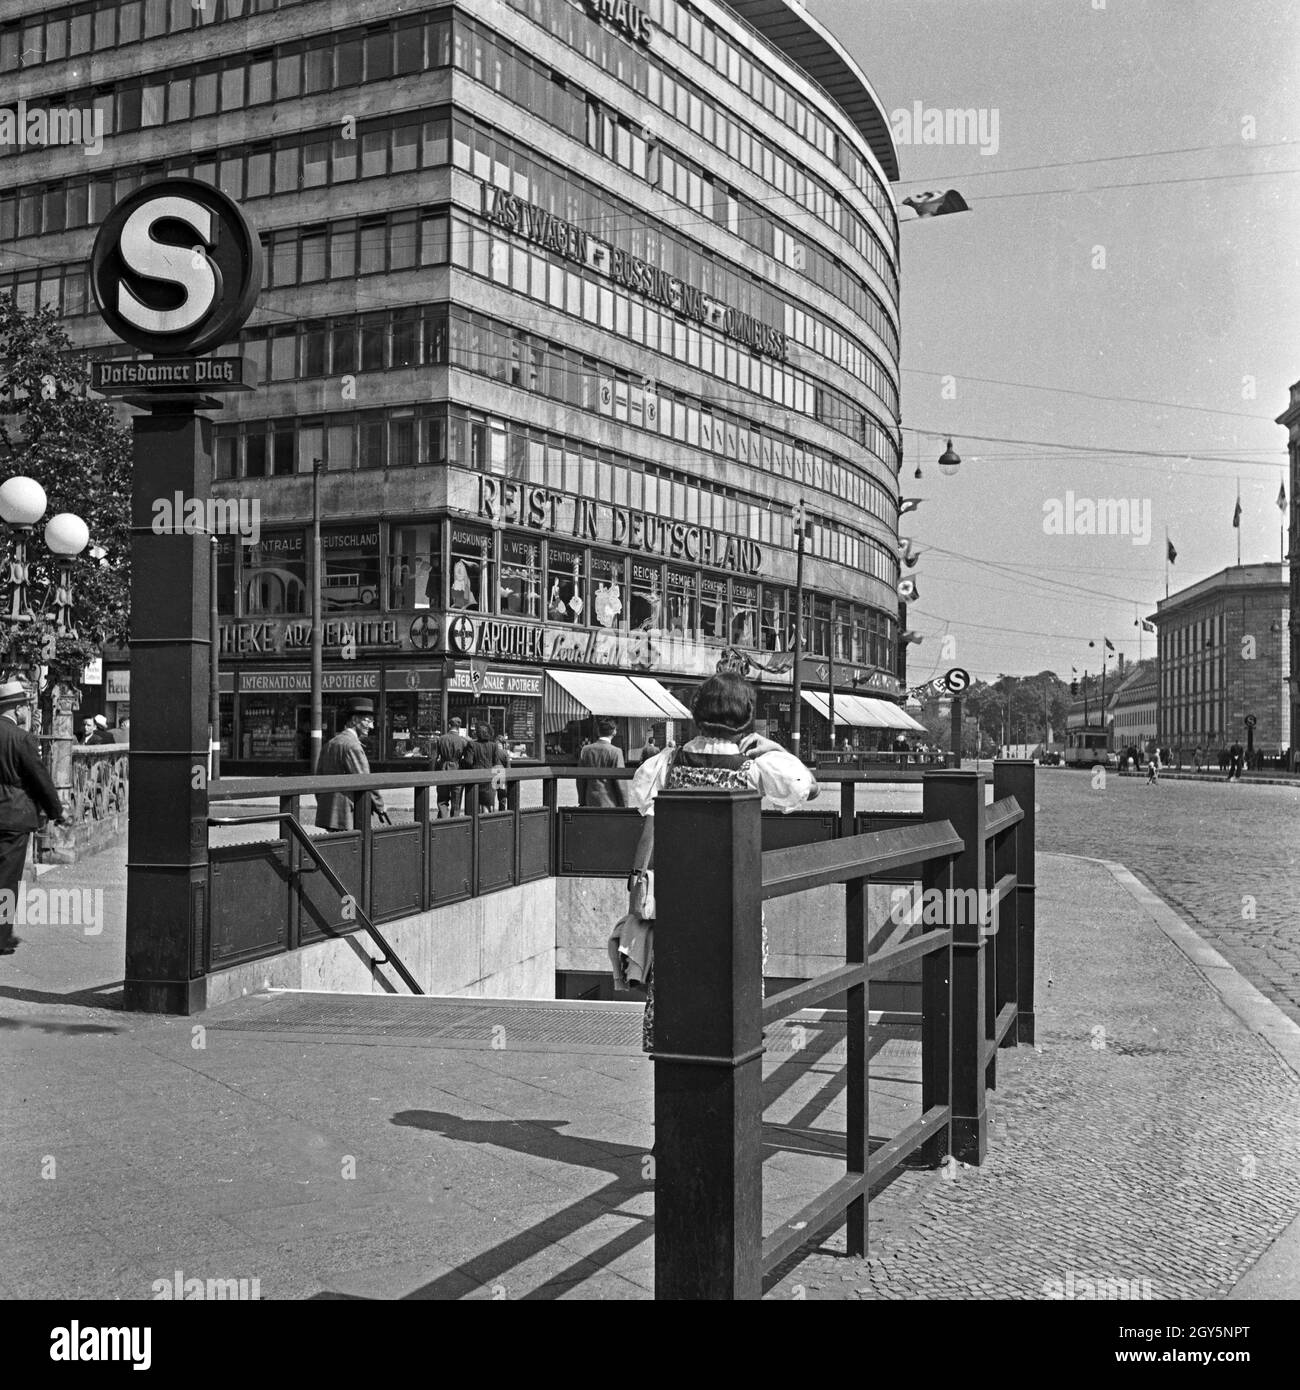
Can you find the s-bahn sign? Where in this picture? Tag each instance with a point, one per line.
(176, 269)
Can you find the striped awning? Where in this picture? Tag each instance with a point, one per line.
(620, 697)
(862, 712)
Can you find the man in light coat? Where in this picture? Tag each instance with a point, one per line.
(345, 757)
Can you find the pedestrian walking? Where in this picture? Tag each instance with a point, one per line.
(600, 752)
(345, 757)
(726, 753)
(1235, 754)
(1153, 768)
(25, 786)
(448, 749)
(483, 753)
(502, 759)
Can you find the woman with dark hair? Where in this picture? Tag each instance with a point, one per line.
(482, 755)
(727, 753)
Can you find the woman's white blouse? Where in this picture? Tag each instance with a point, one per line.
(782, 778)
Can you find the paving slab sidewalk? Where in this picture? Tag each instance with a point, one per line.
(1148, 1142)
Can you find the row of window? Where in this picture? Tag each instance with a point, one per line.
(493, 60)
(399, 339)
(439, 435)
(463, 567)
(411, 45)
(754, 78)
(98, 25)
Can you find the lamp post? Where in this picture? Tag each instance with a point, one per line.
(22, 505)
(795, 721)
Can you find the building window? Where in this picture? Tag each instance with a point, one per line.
(520, 583)
(608, 607)
(350, 568)
(564, 601)
(416, 562)
(471, 552)
(647, 596)
(275, 574)
(681, 602)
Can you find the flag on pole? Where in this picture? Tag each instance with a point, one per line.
(1281, 498)
(1110, 646)
(907, 590)
(1170, 553)
(908, 504)
(1236, 514)
(1144, 624)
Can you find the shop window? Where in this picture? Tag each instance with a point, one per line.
(415, 560)
(226, 575)
(519, 587)
(744, 613)
(775, 628)
(647, 597)
(564, 570)
(713, 606)
(350, 568)
(607, 607)
(471, 553)
(275, 574)
(681, 602)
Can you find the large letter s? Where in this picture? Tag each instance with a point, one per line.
(178, 265)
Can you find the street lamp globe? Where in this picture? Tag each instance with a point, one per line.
(22, 501)
(67, 534)
(949, 460)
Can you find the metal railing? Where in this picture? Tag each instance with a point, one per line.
(976, 996)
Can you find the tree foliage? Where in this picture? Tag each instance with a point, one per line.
(53, 430)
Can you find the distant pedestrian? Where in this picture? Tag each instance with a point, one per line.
(448, 749)
(1235, 754)
(600, 752)
(100, 733)
(502, 757)
(345, 757)
(648, 750)
(483, 753)
(24, 786)
(1153, 769)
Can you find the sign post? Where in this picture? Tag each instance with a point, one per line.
(175, 270)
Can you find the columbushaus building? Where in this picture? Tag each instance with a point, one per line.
(574, 301)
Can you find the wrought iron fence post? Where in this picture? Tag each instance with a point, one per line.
(958, 797)
(1015, 777)
(708, 1054)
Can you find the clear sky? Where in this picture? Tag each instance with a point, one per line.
(1158, 319)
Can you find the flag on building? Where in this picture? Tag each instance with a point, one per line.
(1170, 553)
(907, 590)
(1236, 514)
(1281, 497)
(912, 637)
(1110, 646)
(908, 504)
(1145, 624)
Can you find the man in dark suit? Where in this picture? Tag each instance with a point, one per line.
(602, 791)
(24, 786)
(448, 749)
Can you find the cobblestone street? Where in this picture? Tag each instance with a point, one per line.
(1226, 857)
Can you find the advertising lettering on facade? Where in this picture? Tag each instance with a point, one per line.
(274, 636)
(512, 214)
(630, 20)
(608, 524)
(299, 682)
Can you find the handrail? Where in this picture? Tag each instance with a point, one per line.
(801, 867)
(1002, 815)
(256, 788)
(299, 833)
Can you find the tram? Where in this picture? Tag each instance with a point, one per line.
(1087, 746)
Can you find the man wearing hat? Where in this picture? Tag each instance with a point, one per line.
(345, 757)
(24, 786)
(100, 733)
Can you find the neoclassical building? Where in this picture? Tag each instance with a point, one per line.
(574, 301)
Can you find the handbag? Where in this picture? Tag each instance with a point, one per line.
(641, 898)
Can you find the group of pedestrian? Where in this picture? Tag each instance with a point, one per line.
(472, 749)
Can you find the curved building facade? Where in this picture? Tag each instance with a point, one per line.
(575, 300)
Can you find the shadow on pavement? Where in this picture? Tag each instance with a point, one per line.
(96, 997)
